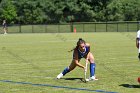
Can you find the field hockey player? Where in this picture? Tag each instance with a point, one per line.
(82, 50)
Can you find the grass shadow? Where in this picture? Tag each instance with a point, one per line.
(130, 86)
(73, 79)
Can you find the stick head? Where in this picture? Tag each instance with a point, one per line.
(85, 80)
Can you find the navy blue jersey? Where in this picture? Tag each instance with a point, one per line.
(4, 25)
(80, 54)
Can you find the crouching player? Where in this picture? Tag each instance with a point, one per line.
(82, 50)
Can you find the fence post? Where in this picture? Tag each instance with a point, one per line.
(32, 28)
(117, 27)
(83, 27)
(45, 28)
(95, 27)
(20, 28)
(106, 26)
(58, 28)
(127, 27)
(71, 26)
(138, 23)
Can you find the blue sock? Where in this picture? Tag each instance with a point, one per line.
(66, 70)
(92, 69)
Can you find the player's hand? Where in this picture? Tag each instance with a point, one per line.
(86, 60)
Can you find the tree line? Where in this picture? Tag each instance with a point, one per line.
(63, 11)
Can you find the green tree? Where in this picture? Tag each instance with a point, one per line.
(7, 11)
(30, 12)
(123, 10)
(58, 11)
(115, 11)
(130, 9)
(100, 9)
(86, 13)
(70, 11)
(78, 10)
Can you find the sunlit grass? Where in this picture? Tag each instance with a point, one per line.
(39, 58)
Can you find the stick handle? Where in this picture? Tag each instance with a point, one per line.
(86, 67)
(86, 70)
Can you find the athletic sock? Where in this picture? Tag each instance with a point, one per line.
(92, 69)
(66, 70)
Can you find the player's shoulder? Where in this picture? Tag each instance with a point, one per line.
(87, 44)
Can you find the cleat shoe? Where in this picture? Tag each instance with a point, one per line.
(5, 33)
(93, 78)
(60, 76)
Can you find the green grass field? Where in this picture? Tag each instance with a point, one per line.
(29, 63)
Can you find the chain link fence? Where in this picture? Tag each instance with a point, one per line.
(75, 27)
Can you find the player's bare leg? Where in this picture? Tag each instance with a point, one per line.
(67, 69)
(92, 67)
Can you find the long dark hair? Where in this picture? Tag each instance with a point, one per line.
(80, 41)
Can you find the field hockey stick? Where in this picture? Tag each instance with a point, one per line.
(85, 74)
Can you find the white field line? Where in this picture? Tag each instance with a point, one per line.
(58, 41)
(123, 58)
(35, 70)
(29, 66)
(23, 75)
(126, 65)
(36, 42)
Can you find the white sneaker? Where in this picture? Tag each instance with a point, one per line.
(60, 76)
(93, 78)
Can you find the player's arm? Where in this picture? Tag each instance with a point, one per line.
(79, 65)
(77, 60)
(137, 42)
(88, 45)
